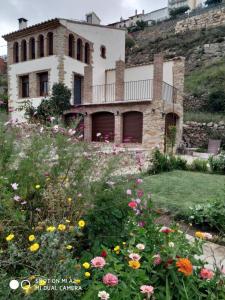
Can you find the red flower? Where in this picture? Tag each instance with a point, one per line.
(104, 253)
(132, 204)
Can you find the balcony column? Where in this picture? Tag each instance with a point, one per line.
(118, 128)
(87, 128)
(158, 76)
(88, 84)
(120, 70)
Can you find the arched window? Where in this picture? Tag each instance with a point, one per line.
(41, 46)
(87, 54)
(79, 49)
(50, 43)
(16, 52)
(23, 50)
(132, 127)
(103, 51)
(32, 48)
(71, 45)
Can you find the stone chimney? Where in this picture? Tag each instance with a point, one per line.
(22, 23)
(143, 12)
(136, 12)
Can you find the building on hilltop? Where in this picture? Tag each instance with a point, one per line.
(193, 4)
(134, 105)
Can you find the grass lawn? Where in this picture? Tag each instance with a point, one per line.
(178, 190)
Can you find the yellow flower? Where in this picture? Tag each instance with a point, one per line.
(81, 223)
(67, 221)
(77, 281)
(117, 249)
(42, 282)
(37, 186)
(34, 247)
(10, 237)
(71, 228)
(134, 264)
(199, 234)
(69, 199)
(62, 227)
(32, 277)
(27, 289)
(69, 247)
(87, 274)
(31, 238)
(51, 228)
(124, 243)
(86, 265)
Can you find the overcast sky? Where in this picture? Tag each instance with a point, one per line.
(40, 10)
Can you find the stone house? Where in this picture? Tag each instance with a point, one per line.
(129, 106)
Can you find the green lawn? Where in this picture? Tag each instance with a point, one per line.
(178, 190)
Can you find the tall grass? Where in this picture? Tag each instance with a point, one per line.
(204, 117)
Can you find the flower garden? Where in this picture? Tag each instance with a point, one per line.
(70, 229)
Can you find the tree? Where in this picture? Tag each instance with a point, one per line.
(178, 11)
(212, 2)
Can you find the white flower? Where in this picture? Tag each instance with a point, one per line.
(103, 295)
(135, 256)
(16, 198)
(14, 186)
(98, 134)
(140, 246)
(171, 244)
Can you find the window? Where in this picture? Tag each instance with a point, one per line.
(103, 51)
(23, 50)
(32, 48)
(71, 45)
(79, 49)
(41, 46)
(43, 84)
(87, 53)
(50, 43)
(24, 84)
(16, 52)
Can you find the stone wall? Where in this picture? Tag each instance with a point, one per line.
(197, 134)
(212, 18)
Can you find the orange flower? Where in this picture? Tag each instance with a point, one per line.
(134, 264)
(199, 234)
(185, 266)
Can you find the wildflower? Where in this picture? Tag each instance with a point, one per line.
(34, 247)
(103, 295)
(165, 229)
(140, 246)
(81, 223)
(134, 264)
(10, 237)
(67, 221)
(69, 200)
(31, 238)
(203, 235)
(139, 181)
(135, 256)
(117, 249)
(77, 281)
(98, 134)
(16, 198)
(14, 186)
(37, 186)
(98, 262)
(51, 228)
(132, 204)
(87, 274)
(157, 259)
(104, 253)
(62, 227)
(42, 282)
(69, 247)
(32, 277)
(147, 289)
(86, 265)
(206, 274)
(110, 279)
(185, 266)
(27, 289)
(129, 192)
(171, 244)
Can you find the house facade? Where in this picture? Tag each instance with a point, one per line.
(193, 4)
(134, 105)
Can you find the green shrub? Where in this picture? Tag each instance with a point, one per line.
(129, 42)
(217, 163)
(216, 101)
(178, 11)
(199, 165)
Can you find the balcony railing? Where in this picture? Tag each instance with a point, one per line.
(141, 90)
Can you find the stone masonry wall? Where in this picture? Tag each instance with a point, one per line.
(213, 18)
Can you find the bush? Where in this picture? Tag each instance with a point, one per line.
(129, 42)
(178, 11)
(199, 165)
(216, 101)
(217, 163)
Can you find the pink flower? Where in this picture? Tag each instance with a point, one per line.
(141, 223)
(129, 192)
(147, 289)
(132, 204)
(98, 262)
(139, 181)
(165, 229)
(207, 236)
(110, 279)
(206, 274)
(135, 256)
(140, 193)
(223, 270)
(138, 201)
(157, 259)
(16, 198)
(14, 186)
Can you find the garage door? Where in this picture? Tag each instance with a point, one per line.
(103, 126)
(132, 127)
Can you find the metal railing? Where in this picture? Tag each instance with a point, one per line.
(169, 93)
(105, 93)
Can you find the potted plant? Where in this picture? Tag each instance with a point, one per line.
(214, 144)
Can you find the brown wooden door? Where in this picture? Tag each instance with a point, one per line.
(132, 127)
(103, 123)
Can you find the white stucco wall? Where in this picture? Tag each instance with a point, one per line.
(110, 76)
(23, 68)
(139, 73)
(112, 39)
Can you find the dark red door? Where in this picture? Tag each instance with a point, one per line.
(103, 126)
(132, 127)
